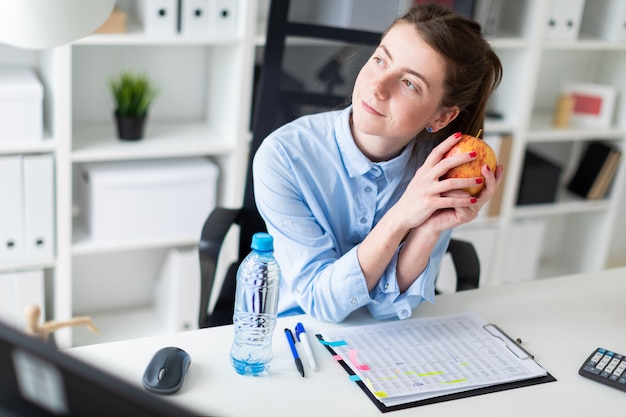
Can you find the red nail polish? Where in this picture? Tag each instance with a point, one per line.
(457, 135)
(473, 154)
(474, 200)
(488, 169)
(479, 180)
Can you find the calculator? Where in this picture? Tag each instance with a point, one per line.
(606, 367)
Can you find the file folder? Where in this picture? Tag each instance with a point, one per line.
(159, 17)
(38, 174)
(194, 17)
(564, 19)
(223, 17)
(7, 297)
(11, 209)
(177, 292)
(29, 290)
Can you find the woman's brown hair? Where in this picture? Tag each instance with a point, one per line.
(473, 70)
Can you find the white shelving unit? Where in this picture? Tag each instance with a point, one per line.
(577, 233)
(205, 111)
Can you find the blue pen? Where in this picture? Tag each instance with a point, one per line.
(303, 338)
(294, 351)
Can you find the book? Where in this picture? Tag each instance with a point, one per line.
(407, 363)
(595, 170)
(502, 146)
(601, 185)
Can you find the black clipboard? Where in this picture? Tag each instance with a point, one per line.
(491, 328)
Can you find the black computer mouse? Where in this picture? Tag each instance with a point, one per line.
(166, 370)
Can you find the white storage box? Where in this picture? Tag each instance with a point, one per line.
(146, 199)
(21, 105)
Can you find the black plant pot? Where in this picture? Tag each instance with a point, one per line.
(130, 127)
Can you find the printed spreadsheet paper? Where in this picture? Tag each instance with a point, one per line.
(411, 360)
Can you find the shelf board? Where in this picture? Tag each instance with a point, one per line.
(135, 36)
(84, 245)
(27, 264)
(509, 42)
(498, 126)
(98, 142)
(584, 44)
(542, 130)
(46, 145)
(566, 204)
(504, 42)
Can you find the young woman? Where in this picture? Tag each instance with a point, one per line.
(354, 199)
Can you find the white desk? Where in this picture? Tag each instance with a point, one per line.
(560, 321)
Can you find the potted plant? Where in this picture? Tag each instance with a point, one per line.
(133, 94)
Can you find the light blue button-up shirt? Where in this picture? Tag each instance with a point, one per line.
(320, 197)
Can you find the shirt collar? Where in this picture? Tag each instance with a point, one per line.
(358, 164)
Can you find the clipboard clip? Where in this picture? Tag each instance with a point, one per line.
(513, 346)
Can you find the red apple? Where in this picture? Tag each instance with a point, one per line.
(484, 155)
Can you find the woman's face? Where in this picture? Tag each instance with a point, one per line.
(398, 93)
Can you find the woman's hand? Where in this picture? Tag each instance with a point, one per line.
(427, 194)
(449, 218)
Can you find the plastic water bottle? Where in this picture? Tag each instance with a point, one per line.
(256, 303)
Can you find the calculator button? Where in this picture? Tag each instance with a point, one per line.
(594, 371)
(612, 365)
(603, 362)
(596, 358)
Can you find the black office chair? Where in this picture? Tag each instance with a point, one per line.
(275, 106)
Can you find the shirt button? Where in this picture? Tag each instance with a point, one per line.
(386, 285)
(404, 313)
(363, 220)
(368, 189)
(354, 301)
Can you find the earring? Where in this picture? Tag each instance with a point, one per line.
(429, 129)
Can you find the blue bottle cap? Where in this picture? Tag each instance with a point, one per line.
(262, 242)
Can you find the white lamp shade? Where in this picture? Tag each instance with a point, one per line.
(38, 24)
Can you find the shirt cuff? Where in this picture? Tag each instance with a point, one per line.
(387, 299)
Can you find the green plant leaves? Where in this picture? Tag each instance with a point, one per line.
(133, 93)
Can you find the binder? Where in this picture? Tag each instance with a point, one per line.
(194, 17)
(177, 291)
(223, 17)
(409, 363)
(29, 290)
(18, 290)
(616, 27)
(38, 174)
(564, 19)
(159, 17)
(524, 249)
(7, 297)
(11, 209)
